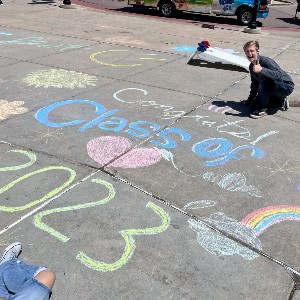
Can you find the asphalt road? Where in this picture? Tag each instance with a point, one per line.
(280, 16)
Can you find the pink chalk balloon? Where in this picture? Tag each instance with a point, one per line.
(105, 150)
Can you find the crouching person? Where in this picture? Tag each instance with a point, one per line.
(270, 85)
(20, 281)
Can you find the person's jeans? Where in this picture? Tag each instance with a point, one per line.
(270, 94)
(18, 282)
(33, 290)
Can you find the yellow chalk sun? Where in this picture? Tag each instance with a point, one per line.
(59, 78)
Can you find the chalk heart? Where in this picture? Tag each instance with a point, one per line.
(105, 150)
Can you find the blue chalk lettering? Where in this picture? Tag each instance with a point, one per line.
(97, 120)
(221, 147)
(145, 132)
(168, 142)
(42, 115)
(256, 153)
(120, 123)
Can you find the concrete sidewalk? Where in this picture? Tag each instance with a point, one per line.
(281, 2)
(134, 175)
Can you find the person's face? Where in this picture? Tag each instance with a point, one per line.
(252, 53)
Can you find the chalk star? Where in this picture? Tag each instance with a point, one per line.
(279, 168)
(47, 135)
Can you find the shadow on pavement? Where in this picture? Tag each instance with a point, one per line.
(216, 65)
(242, 109)
(290, 20)
(42, 2)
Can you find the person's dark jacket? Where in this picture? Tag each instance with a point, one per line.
(270, 71)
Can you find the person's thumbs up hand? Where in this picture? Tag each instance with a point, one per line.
(257, 67)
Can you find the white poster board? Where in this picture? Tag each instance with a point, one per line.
(216, 55)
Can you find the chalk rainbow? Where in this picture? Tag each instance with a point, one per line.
(265, 217)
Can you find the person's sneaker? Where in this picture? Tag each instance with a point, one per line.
(258, 114)
(286, 104)
(12, 251)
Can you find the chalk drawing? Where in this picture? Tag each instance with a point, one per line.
(219, 148)
(232, 128)
(199, 204)
(216, 147)
(269, 133)
(45, 197)
(184, 49)
(167, 155)
(129, 243)
(46, 136)
(30, 155)
(219, 109)
(232, 182)
(263, 218)
(11, 108)
(116, 151)
(150, 56)
(169, 112)
(59, 78)
(220, 245)
(297, 71)
(214, 242)
(277, 169)
(298, 188)
(5, 33)
(37, 221)
(41, 43)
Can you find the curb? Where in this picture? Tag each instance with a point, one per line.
(280, 2)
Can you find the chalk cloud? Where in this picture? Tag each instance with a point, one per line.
(219, 245)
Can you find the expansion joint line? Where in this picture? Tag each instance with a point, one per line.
(294, 274)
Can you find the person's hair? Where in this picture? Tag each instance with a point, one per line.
(251, 43)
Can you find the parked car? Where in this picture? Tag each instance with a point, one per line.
(243, 9)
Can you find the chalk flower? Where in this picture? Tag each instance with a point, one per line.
(11, 108)
(60, 78)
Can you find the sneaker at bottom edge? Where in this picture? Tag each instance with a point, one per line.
(258, 114)
(11, 251)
